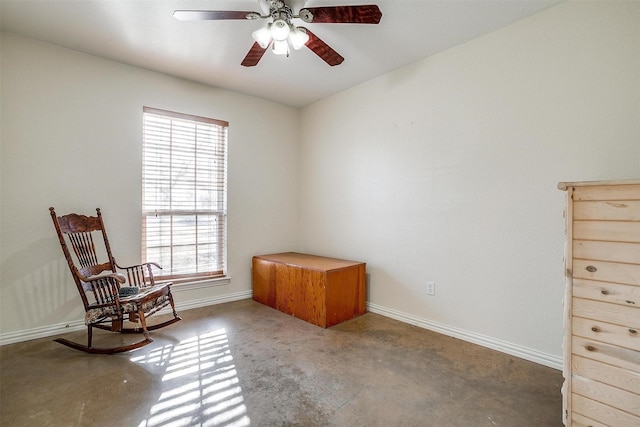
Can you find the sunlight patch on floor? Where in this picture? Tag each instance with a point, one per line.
(200, 384)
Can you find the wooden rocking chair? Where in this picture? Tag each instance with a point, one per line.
(107, 303)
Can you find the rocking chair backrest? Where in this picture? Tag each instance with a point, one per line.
(79, 230)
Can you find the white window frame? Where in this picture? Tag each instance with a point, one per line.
(162, 181)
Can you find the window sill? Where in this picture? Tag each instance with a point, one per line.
(196, 283)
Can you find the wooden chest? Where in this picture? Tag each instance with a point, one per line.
(319, 290)
(602, 304)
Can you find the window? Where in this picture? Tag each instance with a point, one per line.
(184, 186)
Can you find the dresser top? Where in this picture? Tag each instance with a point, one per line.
(312, 262)
(565, 185)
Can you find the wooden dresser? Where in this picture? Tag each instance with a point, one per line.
(319, 290)
(602, 304)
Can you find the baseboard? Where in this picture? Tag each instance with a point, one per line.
(40, 332)
(77, 325)
(472, 337)
(204, 302)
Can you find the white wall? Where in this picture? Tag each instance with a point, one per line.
(71, 138)
(446, 170)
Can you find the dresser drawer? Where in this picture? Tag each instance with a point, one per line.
(609, 395)
(613, 293)
(602, 413)
(607, 192)
(579, 420)
(608, 333)
(610, 231)
(611, 313)
(621, 357)
(607, 374)
(623, 210)
(628, 274)
(607, 251)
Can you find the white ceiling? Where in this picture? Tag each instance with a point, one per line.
(145, 34)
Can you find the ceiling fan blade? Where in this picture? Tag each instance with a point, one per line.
(208, 15)
(323, 50)
(254, 55)
(364, 14)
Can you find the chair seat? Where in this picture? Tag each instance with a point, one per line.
(148, 299)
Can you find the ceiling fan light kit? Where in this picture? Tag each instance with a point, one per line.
(298, 37)
(280, 32)
(263, 36)
(281, 47)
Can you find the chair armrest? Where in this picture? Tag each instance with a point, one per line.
(144, 264)
(120, 278)
(104, 286)
(140, 275)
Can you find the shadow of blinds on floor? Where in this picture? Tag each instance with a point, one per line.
(200, 384)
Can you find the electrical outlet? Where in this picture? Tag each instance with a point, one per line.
(431, 288)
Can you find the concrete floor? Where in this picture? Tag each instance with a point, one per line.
(245, 364)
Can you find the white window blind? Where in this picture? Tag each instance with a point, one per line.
(184, 185)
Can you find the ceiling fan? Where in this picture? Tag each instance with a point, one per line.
(279, 32)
